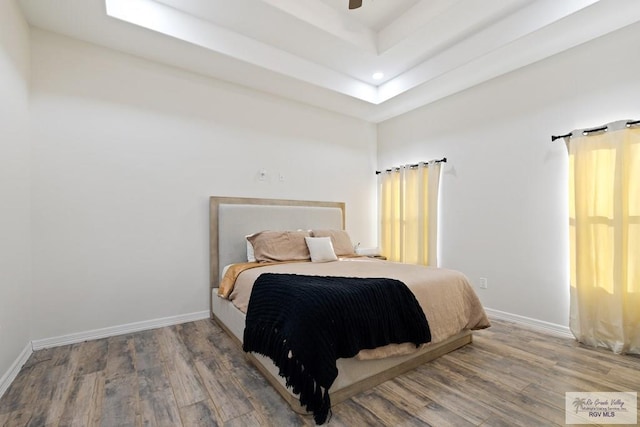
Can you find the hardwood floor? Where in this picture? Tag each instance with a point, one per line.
(194, 375)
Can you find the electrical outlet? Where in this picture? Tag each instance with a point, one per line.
(483, 283)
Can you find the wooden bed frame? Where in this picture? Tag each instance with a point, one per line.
(433, 351)
(437, 350)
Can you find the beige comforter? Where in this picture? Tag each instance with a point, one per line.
(448, 300)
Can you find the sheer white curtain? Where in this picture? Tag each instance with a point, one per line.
(604, 208)
(409, 213)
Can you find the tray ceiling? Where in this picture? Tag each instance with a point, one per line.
(321, 53)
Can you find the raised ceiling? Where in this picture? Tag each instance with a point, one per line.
(321, 53)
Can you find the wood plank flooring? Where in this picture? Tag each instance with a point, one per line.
(194, 375)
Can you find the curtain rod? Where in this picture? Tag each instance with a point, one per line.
(442, 160)
(598, 129)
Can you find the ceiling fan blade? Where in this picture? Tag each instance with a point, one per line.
(354, 4)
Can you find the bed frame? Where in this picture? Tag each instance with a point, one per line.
(232, 218)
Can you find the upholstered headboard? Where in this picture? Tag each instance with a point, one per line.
(233, 218)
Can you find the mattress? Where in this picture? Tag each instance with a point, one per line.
(446, 296)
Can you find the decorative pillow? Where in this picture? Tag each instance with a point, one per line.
(339, 238)
(269, 246)
(320, 249)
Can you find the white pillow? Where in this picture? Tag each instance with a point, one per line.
(251, 256)
(321, 249)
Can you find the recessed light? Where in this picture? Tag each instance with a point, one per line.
(377, 76)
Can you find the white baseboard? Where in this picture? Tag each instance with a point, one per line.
(13, 371)
(118, 330)
(540, 325)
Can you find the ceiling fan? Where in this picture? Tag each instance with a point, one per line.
(354, 4)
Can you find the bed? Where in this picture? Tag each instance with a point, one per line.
(453, 308)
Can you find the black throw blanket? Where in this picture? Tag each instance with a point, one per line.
(305, 323)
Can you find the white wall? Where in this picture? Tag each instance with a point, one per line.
(126, 153)
(504, 214)
(15, 261)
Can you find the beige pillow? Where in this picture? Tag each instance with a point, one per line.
(320, 249)
(339, 238)
(270, 246)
